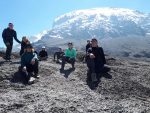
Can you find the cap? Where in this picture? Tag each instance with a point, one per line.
(70, 43)
(43, 47)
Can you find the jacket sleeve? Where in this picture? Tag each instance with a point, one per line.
(40, 54)
(23, 60)
(4, 35)
(66, 52)
(103, 56)
(46, 54)
(15, 37)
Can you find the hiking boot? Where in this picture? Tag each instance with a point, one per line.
(61, 70)
(94, 78)
(73, 68)
(31, 80)
(37, 76)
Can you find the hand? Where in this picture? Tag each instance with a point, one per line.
(7, 44)
(24, 69)
(33, 62)
(92, 56)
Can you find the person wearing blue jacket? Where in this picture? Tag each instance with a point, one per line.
(29, 62)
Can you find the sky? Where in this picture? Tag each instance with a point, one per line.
(31, 17)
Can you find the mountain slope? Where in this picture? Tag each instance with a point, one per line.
(117, 25)
(127, 91)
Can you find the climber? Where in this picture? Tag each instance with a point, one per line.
(70, 56)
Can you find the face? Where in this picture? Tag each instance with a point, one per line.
(70, 46)
(60, 49)
(24, 39)
(94, 43)
(43, 49)
(11, 26)
(29, 49)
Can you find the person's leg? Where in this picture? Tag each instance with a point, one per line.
(30, 70)
(36, 68)
(72, 61)
(92, 69)
(8, 50)
(64, 60)
(91, 65)
(63, 63)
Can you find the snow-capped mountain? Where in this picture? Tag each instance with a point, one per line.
(101, 23)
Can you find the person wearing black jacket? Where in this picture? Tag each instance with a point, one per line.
(59, 55)
(8, 35)
(24, 43)
(95, 60)
(43, 55)
(88, 45)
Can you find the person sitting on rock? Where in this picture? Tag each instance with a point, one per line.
(29, 63)
(43, 55)
(70, 56)
(95, 60)
(59, 55)
(24, 43)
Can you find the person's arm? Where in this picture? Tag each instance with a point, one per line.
(103, 56)
(66, 52)
(40, 54)
(46, 54)
(4, 35)
(15, 37)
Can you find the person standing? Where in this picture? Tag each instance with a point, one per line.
(8, 34)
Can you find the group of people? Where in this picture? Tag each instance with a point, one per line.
(30, 58)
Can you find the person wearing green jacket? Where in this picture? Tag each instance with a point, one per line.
(70, 56)
(29, 62)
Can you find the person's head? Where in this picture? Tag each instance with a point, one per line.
(88, 41)
(70, 45)
(10, 25)
(24, 38)
(29, 48)
(43, 48)
(60, 50)
(94, 42)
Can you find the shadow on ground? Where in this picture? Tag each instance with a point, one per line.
(67, 72)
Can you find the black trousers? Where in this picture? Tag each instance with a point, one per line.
(94, 67)
(9, 46)
(69, 60)
(33, 68)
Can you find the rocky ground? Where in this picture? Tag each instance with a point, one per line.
(126, 90)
